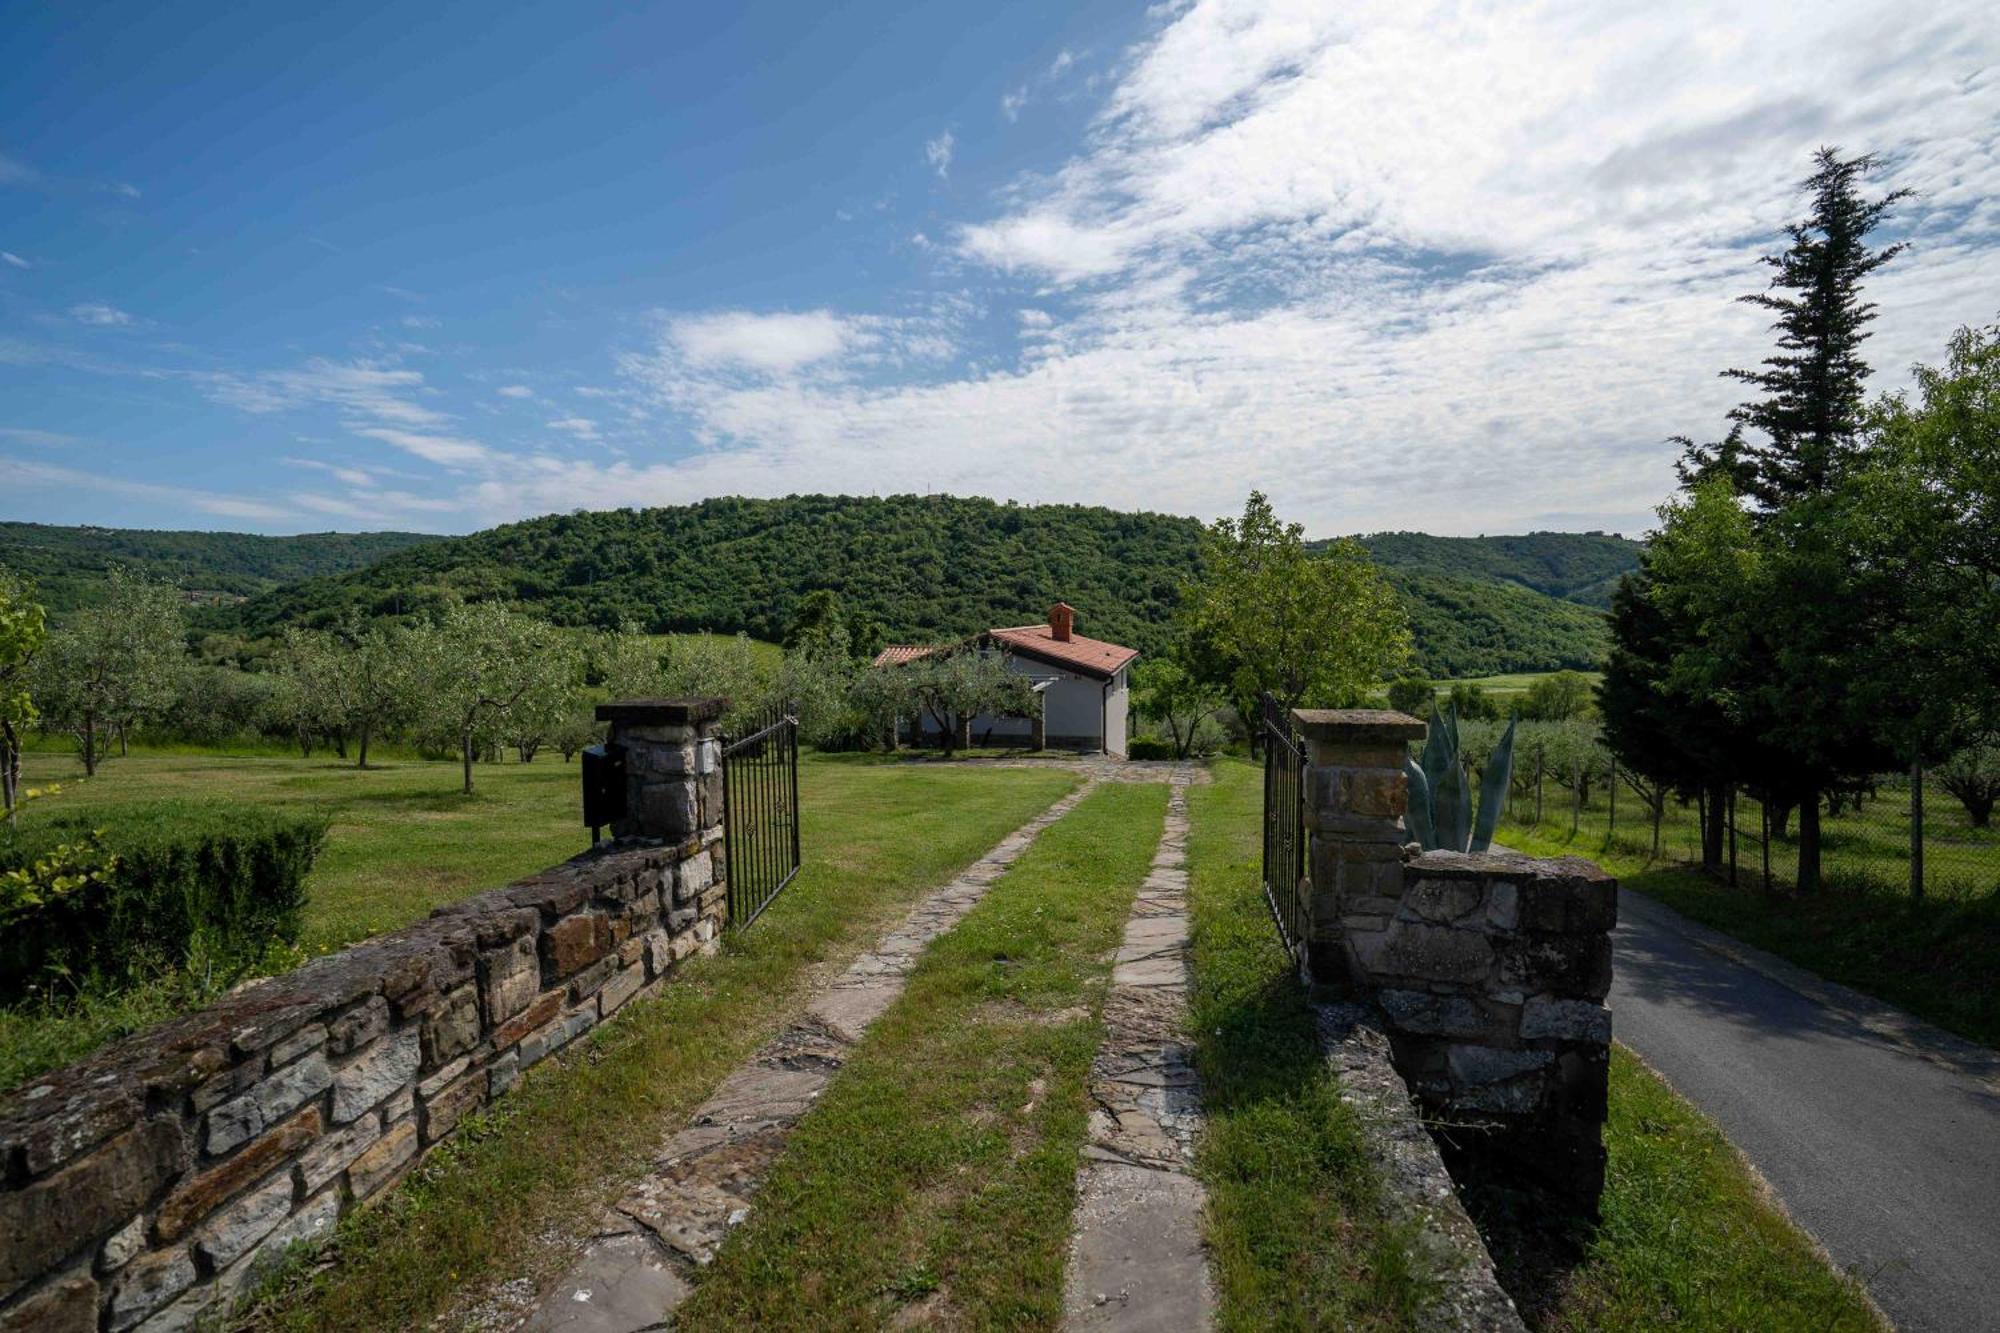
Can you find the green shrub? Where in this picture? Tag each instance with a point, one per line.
(117, 893)
(1149, 747)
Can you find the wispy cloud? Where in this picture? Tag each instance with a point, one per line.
(583, 428)
(515, 391)
(938, 152)
(99, 316)
(9, 257)
(29, 435)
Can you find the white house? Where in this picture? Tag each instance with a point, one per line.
(1084, 685)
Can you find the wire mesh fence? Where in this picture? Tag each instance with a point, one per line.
(1896, 833)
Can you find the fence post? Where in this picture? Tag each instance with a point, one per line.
(1611, 832)
(1917, 831)
(1538, 790)
(1732, 836)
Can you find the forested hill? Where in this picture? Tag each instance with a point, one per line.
(68, 565)
(923, 567)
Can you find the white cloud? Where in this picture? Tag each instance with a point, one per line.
(444, 450)
(10, 257)
(101, 316)
(581, 427)
(770, 344)
(1012, 101)
(516, 391)
(938, 153)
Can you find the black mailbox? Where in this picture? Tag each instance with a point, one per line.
(603, 785)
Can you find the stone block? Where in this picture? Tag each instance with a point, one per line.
(1436, 954)
(436, 1083)
(446, 1107)
(622, 986)
(1574, 967)
(1475, 1066)
(330, 1156)
(315, 1221)
(240, 1226)
(510, 978)
(381, 1163)
(659, 952)
(231, 1082)
(372, 1076)
(92, 1196)
(666, 809)
(1565, 1020)
(557, 1034)
(503, 1073)
(67, 1306)
(357, 1026)
(1433, 1015)
(237, 1121)
(693, 875)
(146, 1284)
(296, 1045)
(585, 983)
(632, 952)
(1503, 906)
(575, 942)
(122, 1246)
(452, 1028)
(196, 1198)
(1441, 901)
(520, 1025)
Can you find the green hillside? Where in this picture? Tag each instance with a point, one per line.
(924, 567)
(68, 565)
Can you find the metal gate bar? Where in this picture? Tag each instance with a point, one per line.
(760, 821)
(1284, 824)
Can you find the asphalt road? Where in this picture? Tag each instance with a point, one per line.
(1880, 1134)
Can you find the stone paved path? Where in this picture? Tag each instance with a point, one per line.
(1136, 1259)
(635, 1269)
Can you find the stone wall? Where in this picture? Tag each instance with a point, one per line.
(1487, 972)
(165, 1174)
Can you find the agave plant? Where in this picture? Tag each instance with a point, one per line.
(1441, 817)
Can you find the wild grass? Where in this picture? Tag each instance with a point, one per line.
(933, 1184)
(563, 1142)
(1295, 1226)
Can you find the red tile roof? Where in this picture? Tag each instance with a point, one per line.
(898, 653)
(1091, 656)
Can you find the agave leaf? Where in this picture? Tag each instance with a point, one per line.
(1493, 788)
(1419, 814)
(1438, 752)
(1452, 809)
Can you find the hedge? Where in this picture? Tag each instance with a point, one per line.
(118, 892)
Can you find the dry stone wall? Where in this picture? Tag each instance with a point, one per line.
(163, 1176)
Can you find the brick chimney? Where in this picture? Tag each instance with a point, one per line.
(1062, 619)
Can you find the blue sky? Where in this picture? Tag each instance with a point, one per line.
(443, 266)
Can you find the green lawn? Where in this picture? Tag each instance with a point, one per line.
(1294, 1217)
(877, 837)
(933, 1183)
(1519, 682)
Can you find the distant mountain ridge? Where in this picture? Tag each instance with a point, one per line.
(68, 564)
(923, 567)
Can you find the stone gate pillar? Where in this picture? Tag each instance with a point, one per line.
(1487, 972)
(673, 765)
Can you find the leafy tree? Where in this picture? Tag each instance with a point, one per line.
(713, 666)
(952, 688)
(1166, 692)
(1810, 402)
(22, 633)
(309, 688)
(1972, 776)
(476, 663)
(1412, 694)
(113, 664)
(1558, 698)
(578, 726)
(1472, 703)
(1269, 615)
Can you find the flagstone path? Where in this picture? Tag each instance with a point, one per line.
(1136, 1258)
(636, 1267)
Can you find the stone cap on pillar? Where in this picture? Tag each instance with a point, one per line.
(662, 712)
(1357, 726)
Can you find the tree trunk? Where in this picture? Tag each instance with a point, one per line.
(1711, 826)
(124, 747)
(89, 746)
(305, 744)
(465, 751)
(362, 761)
(1659, 813)
(340, 743)
(1809, 842)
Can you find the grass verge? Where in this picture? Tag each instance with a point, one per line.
(1690, 1237)
(876, 839)
(1939, 958)
(1295, 1228)
(933, 1184)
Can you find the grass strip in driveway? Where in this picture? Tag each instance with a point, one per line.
(1295, 1228)
(1690, 1237)
(876, 838)
(935, 1179)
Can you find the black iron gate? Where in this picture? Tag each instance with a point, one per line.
(1284, 823)
(760, 812)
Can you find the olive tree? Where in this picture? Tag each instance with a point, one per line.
(22, 633)
(113, 665)
(476, 663)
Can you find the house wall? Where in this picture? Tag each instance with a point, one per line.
(1118, 709)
